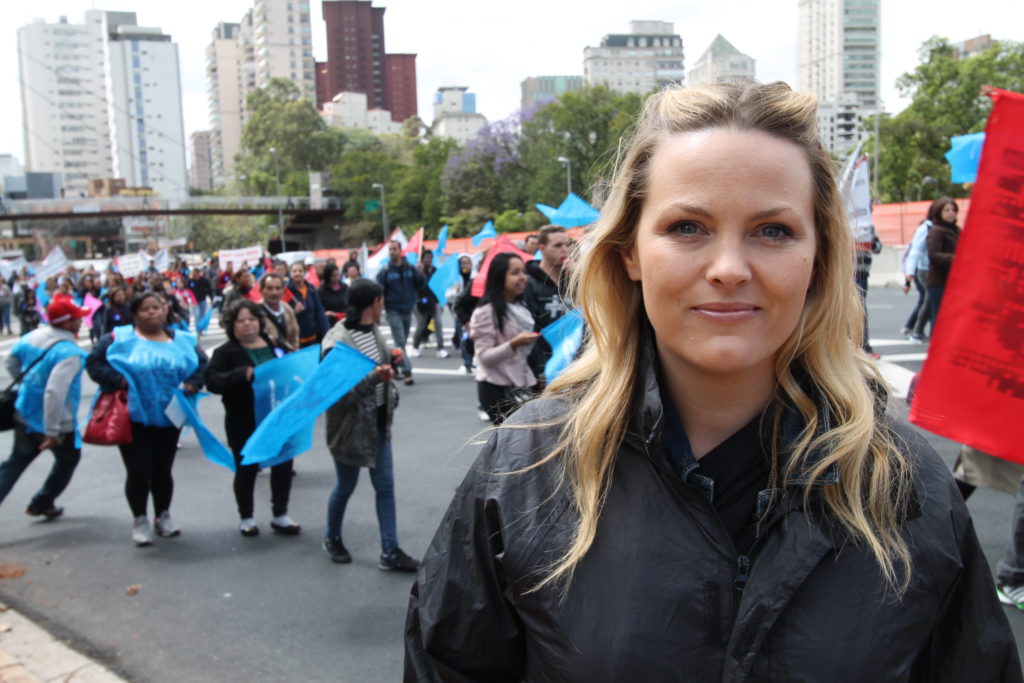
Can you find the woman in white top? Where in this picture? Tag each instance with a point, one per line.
(502, 330)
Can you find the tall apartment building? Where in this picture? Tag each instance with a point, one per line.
(201, 171)
(839, 57)
(102, 99)
(721, 62)
(455, 114)
(358, 62)
(224, 97)
(536, 91)
(650, 56)
(283, 38)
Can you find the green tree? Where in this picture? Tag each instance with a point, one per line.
(418, 195)
(947, 101)
(211, 233)
(366, 159)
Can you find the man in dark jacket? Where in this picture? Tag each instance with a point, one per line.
(401, 283)
(201, 290)
(543, 294)
(427, 310)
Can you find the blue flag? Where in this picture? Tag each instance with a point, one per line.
(444, 277)
(573, 212)
(213, 449)
(565, 336)
(442, 238)
(485, 232)
(341, 369)
(272, 383)
(203, 324)
(42, 298)
(964, 157)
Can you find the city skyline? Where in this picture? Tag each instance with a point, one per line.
(537, 39)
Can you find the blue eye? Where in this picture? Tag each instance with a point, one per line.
(776, 232)
(684, 228)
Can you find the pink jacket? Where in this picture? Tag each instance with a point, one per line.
(496, 361)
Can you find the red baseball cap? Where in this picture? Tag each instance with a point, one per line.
(63, 308)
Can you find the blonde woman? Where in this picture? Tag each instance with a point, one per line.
(714, 490)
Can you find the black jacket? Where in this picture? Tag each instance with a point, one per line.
(662, 595)
(226, 375)
(543, 296)
(334, 301)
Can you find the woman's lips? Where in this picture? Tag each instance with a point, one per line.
(726, 312)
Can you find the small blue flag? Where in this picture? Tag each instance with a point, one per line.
(213, 449)
(485, 232)
(444, 277)
(573, 212)
(203, 324)
(42, 298)
(964, 157)
(341, 369)
(565, 336)
(273, 382)
(442, 238)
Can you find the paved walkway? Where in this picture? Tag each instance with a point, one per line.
(28, 654)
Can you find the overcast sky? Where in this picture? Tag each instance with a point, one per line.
(491, 50)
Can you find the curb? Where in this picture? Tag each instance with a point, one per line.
(28, 654)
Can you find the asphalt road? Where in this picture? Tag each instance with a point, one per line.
(211, 605)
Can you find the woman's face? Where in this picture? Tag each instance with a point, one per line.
(515, 279)
(335, 276)
(245, 279)
(465, 264)
(352, 273)
(298, 272)
(247, 326)
(948, 214)
(151, 314)
(118, 298)
(724, 250)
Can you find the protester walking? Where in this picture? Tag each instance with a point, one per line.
(149, 360)
(309, 310)
(545, 289)
(401, 282)
(230, 374)
(713, 489)
(915, 270)
(28, 314)
(333, 293)
(117, 312)
(502, 331)
(284, 327)
(6, 304)
(359, 430)
(48, 365)
(427, 310)
(941, 245)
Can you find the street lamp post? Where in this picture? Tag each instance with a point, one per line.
(383, 210)
(568, 173)
(280, 215)
(927, 179)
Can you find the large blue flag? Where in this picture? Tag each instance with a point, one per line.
(565, 336)
(573, 212)
(272, 383)
(444, 277)
(485, 232)
(964, 157)
(203, 324)
(213, 449)
(442, 239)
(341, 369)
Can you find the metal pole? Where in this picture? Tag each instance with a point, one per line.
(568, 173)
(878, 132)
(280, 215)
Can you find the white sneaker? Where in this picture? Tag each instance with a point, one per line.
(442, 353)
(165, 526)
(415, 353)
(142, 533)
(463, 370)
(482, 414)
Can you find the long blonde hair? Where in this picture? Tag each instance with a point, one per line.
(874, 481)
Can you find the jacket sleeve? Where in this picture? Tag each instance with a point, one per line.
(199, 376)
(460, 627)
(971, 638)
(102, 372)
(220, 378)
(484, 331)
(936, 247)
(55, 396)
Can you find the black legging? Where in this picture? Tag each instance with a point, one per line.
(245, 484)
(148, 460)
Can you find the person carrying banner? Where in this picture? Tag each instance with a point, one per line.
(359, 429)
(150, 360)
(427, 309)
(401, 282)
(284, 326)
(230, 374)
(941, 245)
(49, 365)
(309, 310)
(714, 489)
(545, 289)
(503, 332)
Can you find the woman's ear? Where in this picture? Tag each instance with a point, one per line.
(632, 263)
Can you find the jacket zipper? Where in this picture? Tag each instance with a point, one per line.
(742, 572)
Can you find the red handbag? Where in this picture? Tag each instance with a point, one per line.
(109, 424)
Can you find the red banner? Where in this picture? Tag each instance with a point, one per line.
(500, 246)
(972, 385)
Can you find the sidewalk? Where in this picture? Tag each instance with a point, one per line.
(28, 654)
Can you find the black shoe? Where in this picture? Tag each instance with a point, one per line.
(52, 512)
(336, 549)
(409, 381)
(398, 561)
(287, 527)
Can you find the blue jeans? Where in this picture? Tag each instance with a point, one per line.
(26, 448)
(1010, 569)
(5, 317)
(400, 323)
(383, 478)
(201, 309)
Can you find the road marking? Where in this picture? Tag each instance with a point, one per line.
(905, 357)
(897, 377)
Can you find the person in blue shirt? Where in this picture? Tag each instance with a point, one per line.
(915, 270)
(401, 283)
(150, 360)
(49, 365)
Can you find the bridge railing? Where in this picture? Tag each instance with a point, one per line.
(87, 205)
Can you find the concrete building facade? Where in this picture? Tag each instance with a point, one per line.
(224, 98)
(721, 62)
(201, 152)
(283, 43)
(537, 91)
(650, 56)
(102, 98)
(455, 114)
(351, 110)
